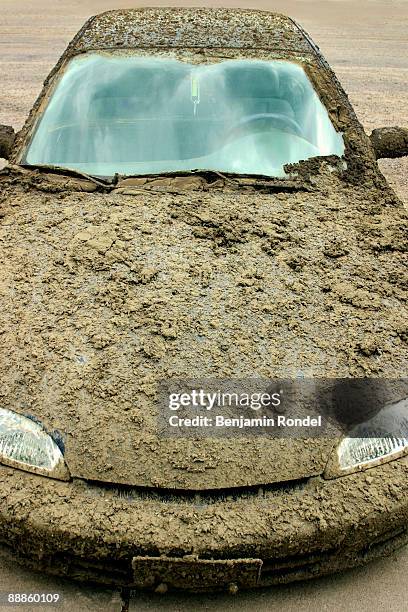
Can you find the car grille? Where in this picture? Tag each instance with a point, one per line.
(279, 570)
(129, 493)
(301, 567)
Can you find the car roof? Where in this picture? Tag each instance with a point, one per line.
(192, 28)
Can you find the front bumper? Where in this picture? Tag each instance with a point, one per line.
(216, 540)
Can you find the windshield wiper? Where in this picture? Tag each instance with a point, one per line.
(236, 179)
(228, 176)
(257, 181)
(102, 182)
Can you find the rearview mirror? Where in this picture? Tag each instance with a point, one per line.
(7, 137)
(390, 142)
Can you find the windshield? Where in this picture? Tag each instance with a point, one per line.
(132, 115)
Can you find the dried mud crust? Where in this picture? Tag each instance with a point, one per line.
(6, 140)
(104, 294)
(189, 28)
(390, 142)
(93, 534)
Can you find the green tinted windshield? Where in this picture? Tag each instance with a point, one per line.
(128, 114)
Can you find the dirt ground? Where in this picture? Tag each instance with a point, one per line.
(366, 44)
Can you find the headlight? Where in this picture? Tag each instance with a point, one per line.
(379, 440)
(26, 445)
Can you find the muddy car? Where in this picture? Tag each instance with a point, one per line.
(193, 198)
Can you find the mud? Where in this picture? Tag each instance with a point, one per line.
(6, 140)
(332, 249)
(114, 287)
(218, 28)
(390, 142)
(92, 533)
(108, 289)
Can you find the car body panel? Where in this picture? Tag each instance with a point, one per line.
(108, 288)
(190, 28)
(106, 294)
(297, 531)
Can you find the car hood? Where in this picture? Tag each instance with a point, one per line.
(106, 294)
